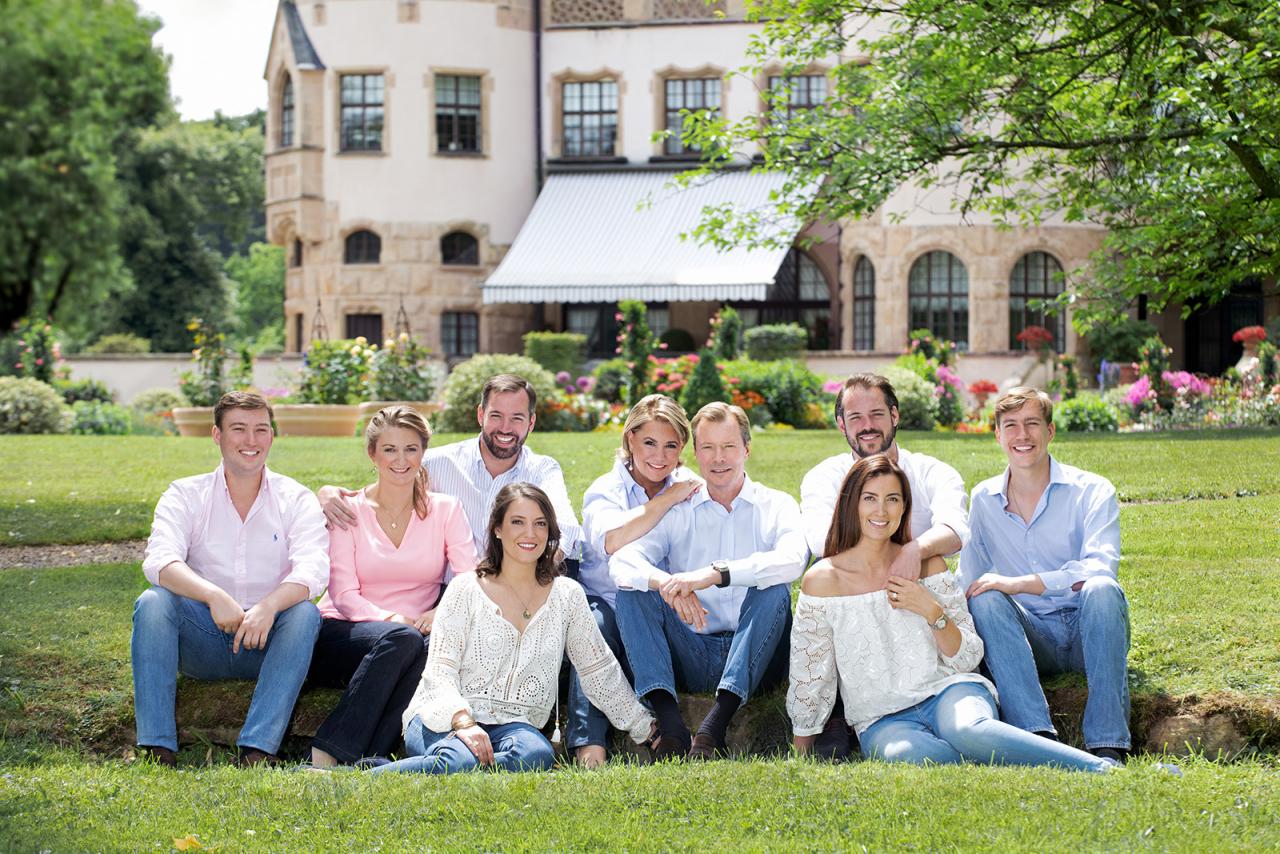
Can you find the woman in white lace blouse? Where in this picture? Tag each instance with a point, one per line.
(902, 653)
(496, 645)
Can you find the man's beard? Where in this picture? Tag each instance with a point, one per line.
(888, 443)
(499, 451)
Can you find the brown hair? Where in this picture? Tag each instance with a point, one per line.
(846, 529)
(407, 418)
(655, 407)
(501, 383)
(240, 400)
(1015, 398)
(868, 381)
(491, 564)
(718, 411)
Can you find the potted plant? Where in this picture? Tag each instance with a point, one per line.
(204, 384)
(981, 390)
(401, 372)
(1119, 342)
(1249, 337)
(334, 375)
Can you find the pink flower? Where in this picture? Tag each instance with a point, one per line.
(39, 361)
(833, 386)
(1140, 392)
(662, 345)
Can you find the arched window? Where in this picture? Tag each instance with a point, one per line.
(864, 305)
(362, 247)
(286, 113)
(1037, 277)
(458, 247)
(939, 294)
(799, 294)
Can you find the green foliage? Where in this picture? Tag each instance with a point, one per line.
(635, 342)
(677, 340)
(1268, 362)
(258, 279)
(99, 418)
(775, 341)
(556, 351)
(917, 405)
(1086, 414)
(1118, 341)
(402, 370)
(611, 380)
(31, 350)
(86, 389)
(931, 359)
(726, 334)
(705, 385)
(1070, 376)
(119, 342)
(792, 393)
(205, 384)
(78, 79)
(1154, 356)
(932, 348)
(466, 381)
(30, 406)
(153, 411)
(336, 371)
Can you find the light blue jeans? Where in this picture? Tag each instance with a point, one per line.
(587, 724)
(517, 746)
(664, 652)
(172, 633)
(961, 724)
(1091, 638)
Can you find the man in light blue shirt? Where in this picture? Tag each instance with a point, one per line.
(1040, 573)
(719, 618)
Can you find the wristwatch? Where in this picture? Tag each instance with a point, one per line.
(722, 567)
(941, 622)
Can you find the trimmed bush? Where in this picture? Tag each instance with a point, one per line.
(917, 405)
(635, 343)
(788, 388)
(153, 411)
(466, 381)
(726, 334)
(30, 406)
(775, 341)
(556, 351)
(73, 390)
(677, 341)
(119, 342)
(705, 385)
(611, 380)
(98, 418)
(1086, 414)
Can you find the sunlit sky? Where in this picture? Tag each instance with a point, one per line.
(218, 50)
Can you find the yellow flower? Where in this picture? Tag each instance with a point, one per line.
(355, 349)
(389, 344)
(193, 326)
(361, 340)
(404, 336)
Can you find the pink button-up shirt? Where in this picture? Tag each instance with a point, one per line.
(282, 539)
(371, 579)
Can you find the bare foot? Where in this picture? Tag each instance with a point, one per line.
(321, 759)
(590, 756)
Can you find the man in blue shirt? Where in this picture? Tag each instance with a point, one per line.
(1040, 573)
(719, 618)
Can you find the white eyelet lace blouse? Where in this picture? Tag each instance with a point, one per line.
(478, 661)
(884, 660)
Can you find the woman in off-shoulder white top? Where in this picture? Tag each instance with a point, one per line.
(496, 645)
(902, 653)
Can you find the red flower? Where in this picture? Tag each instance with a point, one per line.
(983, 387)
(1036, 336)
(1249, 335)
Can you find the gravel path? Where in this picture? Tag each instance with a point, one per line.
(42, 557)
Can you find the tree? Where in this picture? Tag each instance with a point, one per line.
(259, 291)
(78, 79)
(1157, 120)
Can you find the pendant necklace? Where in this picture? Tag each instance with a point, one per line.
(392, 519)
(527, 616)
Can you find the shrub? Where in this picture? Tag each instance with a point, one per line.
(1086, 414)
(677, 341)
(30, 406)
(1155, 364)
(634, 343)
(86, 389)
(556, 351)
(933, 349)
(705, 385)
(1119, 341)
(726, 334)
(97, 418)
(917, 405)
(775, 341)
(31, 350)
(119, 342)
(787, 386)
(335, 371)
(153, 411)
(205, 384)
(466, 381)
(950, 393)
(611, 380)
(402, 370)
(1070, 377)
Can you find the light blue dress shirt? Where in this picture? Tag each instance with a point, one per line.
(1074, 534)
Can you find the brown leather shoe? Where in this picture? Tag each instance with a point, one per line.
(254, 757)
(159, 755)
(704, 749)
(667, 747)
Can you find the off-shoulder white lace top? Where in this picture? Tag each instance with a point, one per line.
(478, 661)
(885, 660)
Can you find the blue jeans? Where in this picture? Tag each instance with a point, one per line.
(961, 724)
(517, 746)
(664, 652)
(587, 724)
(1092, 638)
(172, 633)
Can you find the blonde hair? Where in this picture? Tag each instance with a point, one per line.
(718, 411)
(654, 407)
(1015, 398)
(408, 418)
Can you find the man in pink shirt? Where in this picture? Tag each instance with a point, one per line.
(234, 557)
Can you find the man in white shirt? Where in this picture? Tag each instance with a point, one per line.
(867, 415)
(719, 619)
(234, 557)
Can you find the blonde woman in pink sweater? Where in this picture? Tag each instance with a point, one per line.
(385, 578)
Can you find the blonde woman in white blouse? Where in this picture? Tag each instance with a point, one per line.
(902, 653)
(496, 645)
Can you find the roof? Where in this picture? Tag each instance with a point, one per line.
(602, 237)
(304, 53)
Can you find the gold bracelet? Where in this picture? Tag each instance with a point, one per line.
(462, 720)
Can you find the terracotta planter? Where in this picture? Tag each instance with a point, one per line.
(193, 420)
(1128, 373)
(317, 419)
